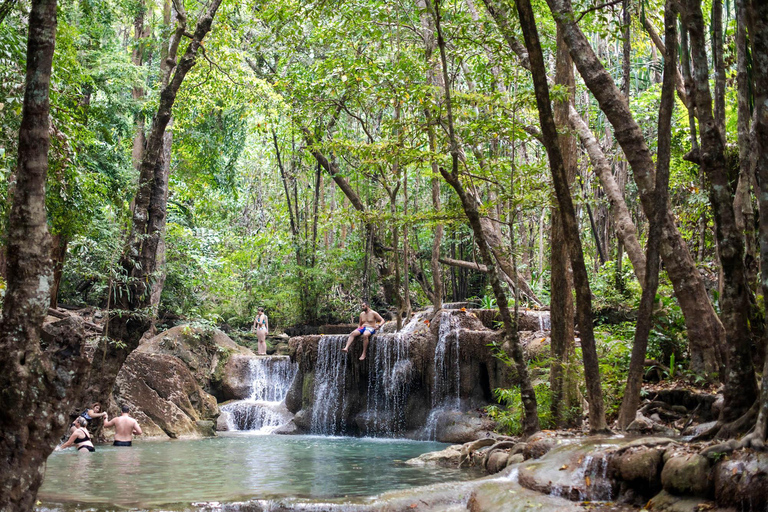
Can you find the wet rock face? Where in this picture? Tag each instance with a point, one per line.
(172, 380)
(742, 481)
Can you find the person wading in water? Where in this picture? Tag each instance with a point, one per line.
(80, 438)
(370, 321)
(125, 428)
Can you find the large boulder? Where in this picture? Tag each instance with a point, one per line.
(457, 427)
(164, 396)
(448, 458)
(686, 474)
(173, 380)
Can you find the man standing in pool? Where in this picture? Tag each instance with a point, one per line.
(125, 428)
(370, 321)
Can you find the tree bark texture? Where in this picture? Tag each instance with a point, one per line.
(740, 385)
(597, 422)
(631, 399)
(469, 204)
(39, 378)
(757, 12)
(705, 332)
(561, 298)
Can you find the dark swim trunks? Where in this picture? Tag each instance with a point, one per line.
(121, 443)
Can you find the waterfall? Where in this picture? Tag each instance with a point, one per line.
(446, 386)
(389, 377)
(330, 378)
(264, 410)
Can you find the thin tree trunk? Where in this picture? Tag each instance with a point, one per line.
(622, 219)
(527, 394)
(631, 399)
(719, 64)
(58, 255)
(597, 422)
(40, 383)
(561, 282)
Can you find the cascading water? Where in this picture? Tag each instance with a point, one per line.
(447, 376)
(264, 410)
(388, 385)
(330, 378)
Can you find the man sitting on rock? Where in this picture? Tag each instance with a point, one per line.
(125, 428)
(370, 321)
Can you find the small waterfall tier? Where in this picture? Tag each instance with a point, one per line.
(425, 382)
(264, 410)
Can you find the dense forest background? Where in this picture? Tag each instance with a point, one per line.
(252, 217)
(600, 159)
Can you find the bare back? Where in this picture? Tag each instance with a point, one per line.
(125, 428)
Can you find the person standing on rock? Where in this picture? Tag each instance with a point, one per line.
(370, 321)
(125, 428)
(261, 326)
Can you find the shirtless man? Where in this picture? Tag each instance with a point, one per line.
(125, 428)
(370, 321)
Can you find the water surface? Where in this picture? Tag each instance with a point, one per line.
(238, 466)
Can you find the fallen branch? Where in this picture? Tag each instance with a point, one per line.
(90, 325)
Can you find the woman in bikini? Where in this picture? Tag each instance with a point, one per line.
(261, 326)
(80, 438)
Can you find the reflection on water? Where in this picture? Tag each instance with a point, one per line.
(238, 466)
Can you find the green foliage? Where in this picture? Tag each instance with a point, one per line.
(509, 415)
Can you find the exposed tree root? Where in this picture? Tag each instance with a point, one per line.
(503, 445)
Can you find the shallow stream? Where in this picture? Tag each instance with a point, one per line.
(237, 466)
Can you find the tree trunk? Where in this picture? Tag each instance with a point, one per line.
(705, 332)
(527, 394)
(740, 386)
(561, 298)
(719, 64)
(132, 317)
(622, 219)
(597, 422)
(758, 14)
(40, 382)
(631, 399)
(58, 255)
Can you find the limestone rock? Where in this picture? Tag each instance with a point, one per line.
(457, 427)
(686, 475)
(665, 502)
(222, 425)
(448, 458)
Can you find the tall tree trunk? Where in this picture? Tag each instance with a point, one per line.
(719, 64)
(705, 332)
(758, 14)
(40, 382)
(433, 78)
(631, 399)
(131, 317)
(561, 298)
(740, 385)
(597, 422)
(527, 394)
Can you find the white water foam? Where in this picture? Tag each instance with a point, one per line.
(264, 411)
